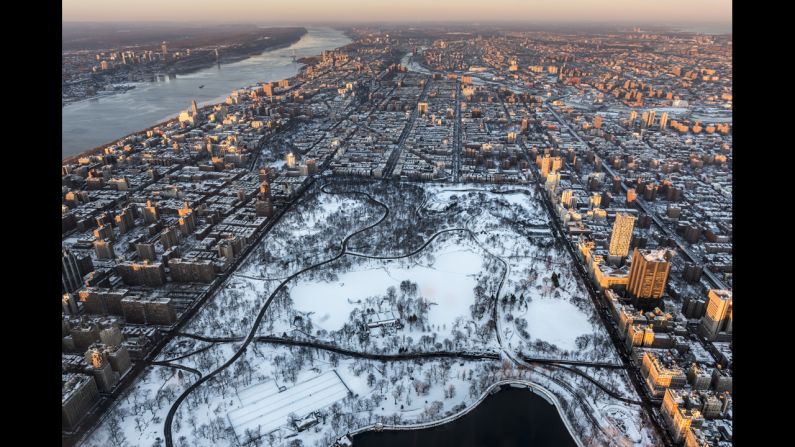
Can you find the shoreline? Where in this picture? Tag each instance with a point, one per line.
(98, 149)
(186, 70)
(498, 386)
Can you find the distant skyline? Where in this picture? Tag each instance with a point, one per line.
(297, 11)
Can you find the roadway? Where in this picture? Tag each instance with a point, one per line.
(457, 133)
(395, 155)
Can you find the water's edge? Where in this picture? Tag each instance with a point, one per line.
(92, 124)
(493, 389)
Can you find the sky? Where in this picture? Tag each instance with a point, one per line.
(302, 11)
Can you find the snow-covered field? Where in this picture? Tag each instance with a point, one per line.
(486, 272)
(562, 332)
(264, 407)
(447, 283)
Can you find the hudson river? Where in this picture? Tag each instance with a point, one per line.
(102, 120)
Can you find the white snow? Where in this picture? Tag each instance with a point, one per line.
(446, 273)
(449, 283)
(557, 322)
(264, 410)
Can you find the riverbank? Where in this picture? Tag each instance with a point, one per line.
(89, 127)
(98, 150)
(199, 60)
(236, 53)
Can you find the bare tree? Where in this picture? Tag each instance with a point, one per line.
(116, 438)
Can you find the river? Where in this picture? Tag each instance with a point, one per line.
(91, 123)
(511, 417)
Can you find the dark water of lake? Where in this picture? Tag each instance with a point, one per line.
(91, 123)
(513, 417)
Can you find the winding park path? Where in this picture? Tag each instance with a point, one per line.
(252, 333)
(252, 337)
(464, 355)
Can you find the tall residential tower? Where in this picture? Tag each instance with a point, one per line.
(621, 235)
(649, 273)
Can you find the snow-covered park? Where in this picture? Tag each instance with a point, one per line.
(359, 288)
(447, 283)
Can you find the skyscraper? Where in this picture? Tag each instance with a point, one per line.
(264, 205)
(146, 251)
(663, 120)
(553, 179)
(290, 160)
(557, 163)
(649, 272)
(718, 317)
(312, 166)
(104, 249)
(187, 223)
(677, 416)
(71, 279)
(651, 118)
(621, 235)
(125, 221)
(596, 200)
(69, 304)
(631, 195)
(566, 197)
(151, 214)
(545, 164)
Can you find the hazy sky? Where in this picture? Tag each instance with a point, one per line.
(265, 11)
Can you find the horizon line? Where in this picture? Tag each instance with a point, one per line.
(404, 22)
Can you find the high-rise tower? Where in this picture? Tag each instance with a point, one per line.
(649, 273)
(663, 120)
(621, 235)
(718, 317)
(597, 122)
(71, 279)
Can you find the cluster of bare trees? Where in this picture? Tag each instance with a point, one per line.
(401, 232)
